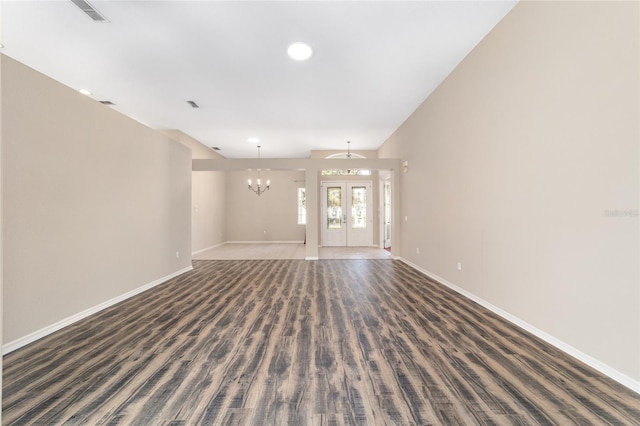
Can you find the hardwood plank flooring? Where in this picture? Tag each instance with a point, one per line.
(293, 342)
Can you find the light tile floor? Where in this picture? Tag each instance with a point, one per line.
(353, 253)
(287, 251)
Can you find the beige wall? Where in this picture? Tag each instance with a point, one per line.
(208, 197)
(95, 204)
(515, 162)
(1, 237)
(276, 211)
(208, 209)
(198, 150)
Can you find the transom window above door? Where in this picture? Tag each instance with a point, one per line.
(355, 172)
(349, 172)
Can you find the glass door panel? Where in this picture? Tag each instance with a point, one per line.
(359, 225)
(334, 231)
(334, 207)
(358, 207)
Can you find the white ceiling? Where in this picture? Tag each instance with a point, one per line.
(373, 64)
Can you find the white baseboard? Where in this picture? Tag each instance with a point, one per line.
(32, 337)
(311, 258)
(605, 369)
(208, 248)
(265, 242)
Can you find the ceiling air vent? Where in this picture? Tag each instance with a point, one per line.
(90, 11)
(215, 148)
(107, 103)
(193, 104)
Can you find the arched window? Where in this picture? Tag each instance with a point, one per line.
(345, 155)
(350, 172)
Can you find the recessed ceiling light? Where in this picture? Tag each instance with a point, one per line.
(85, 92)
(1, 46)
(299, 51)
(253, 140)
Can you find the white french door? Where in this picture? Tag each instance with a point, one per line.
(346, 214)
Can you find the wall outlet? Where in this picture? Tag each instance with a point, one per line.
(459, 266)
(417, 250)
(405, 218)
(177, 255)
(265, 232)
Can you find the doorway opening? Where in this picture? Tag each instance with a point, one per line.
(386, 220)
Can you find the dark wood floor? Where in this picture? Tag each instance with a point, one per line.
(299, 342)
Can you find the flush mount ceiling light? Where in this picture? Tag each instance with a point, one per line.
(299, 51)
(85, 92)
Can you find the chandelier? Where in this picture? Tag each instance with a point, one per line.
(259, 190)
